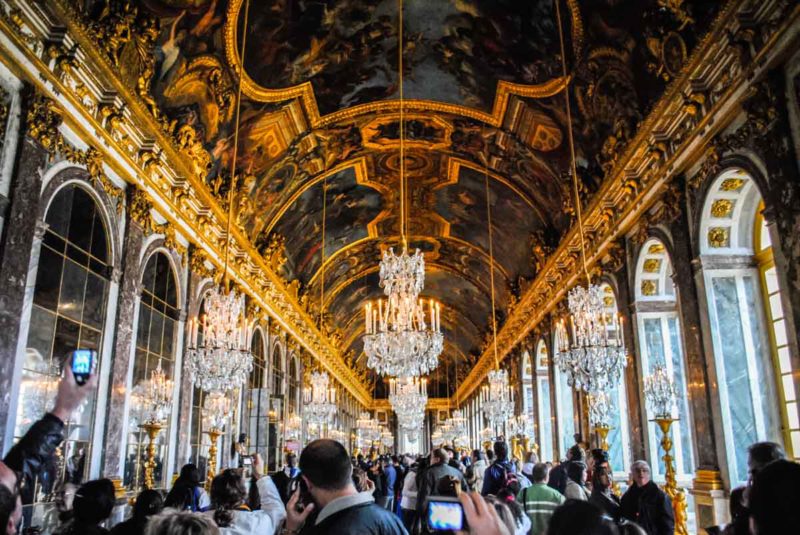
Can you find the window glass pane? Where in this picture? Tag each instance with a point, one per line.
(566, 418)
(99, 247)
(81, 220)
(48, 279)
(776, 308)
(58, 213)
(545, 423)
(788, 387)
(771, 279)
(784, 360)
(94, 312)
(654, 340)
(40, 339)
(73, 287)
(735, 365)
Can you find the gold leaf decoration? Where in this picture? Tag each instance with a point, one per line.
(719, 237)
(722, 208)
(732, 184)
(656, 248)
(649, 287)
(652, 265)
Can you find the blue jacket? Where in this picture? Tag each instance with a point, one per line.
(391, 479)
(495, 477)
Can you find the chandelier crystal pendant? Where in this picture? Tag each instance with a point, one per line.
(595, 359)
(368, 429)
(408, 397)
(660, 392)
(519, 425)
(216, 411)
(497, 399)
(320, 401)
(221, 360)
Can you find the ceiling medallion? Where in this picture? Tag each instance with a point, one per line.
(398, 341)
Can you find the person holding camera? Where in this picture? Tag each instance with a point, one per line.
(37, 447)
(327, 502)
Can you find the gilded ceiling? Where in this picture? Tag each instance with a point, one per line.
(484, 98)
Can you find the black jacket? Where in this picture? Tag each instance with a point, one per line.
(558, 478)
(650, 507)
(32, 452)
(363, 519)
(608, 503)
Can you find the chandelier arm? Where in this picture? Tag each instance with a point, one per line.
(232, 186)
(572, 143)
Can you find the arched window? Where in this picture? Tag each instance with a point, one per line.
(737, 264)
(293, 393)
(256, 397)
(276, 409)
(660, 342)
(199, 441)
(619, 435)
(527, 384)
(69, 310)
(565, 407)
(543, 398)
(155, 348)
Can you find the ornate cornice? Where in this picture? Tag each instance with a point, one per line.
(52, 47)
(672, 138)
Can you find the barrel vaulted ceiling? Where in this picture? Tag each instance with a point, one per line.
(484, 97)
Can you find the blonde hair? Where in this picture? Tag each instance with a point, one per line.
(172, 522)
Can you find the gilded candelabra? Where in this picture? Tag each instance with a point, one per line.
(602, 434)
(676, 495)
(152, 428)
(213, 435)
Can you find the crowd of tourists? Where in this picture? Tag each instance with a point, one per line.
(327, 491)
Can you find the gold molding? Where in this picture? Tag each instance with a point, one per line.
(643, 171)
(305, 90)
(135, 146)
(722, 208)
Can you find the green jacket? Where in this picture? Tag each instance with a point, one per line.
(539, 501)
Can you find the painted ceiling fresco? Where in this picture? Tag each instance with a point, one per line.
(320, 105)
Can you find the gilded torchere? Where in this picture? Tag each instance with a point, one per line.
(152, 428)
(676, 495)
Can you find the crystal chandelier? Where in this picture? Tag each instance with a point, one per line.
(386, 437)
(398, 341)
(408, 397)
(595, 358)
(497, 398)
(221, 360)
(436, 437)
(320, 401)
(519, 425)
(338, 435)
(294, 427)
(660, 392)
(155, 397)
(368, 428)
(599, 409)
(216, 411)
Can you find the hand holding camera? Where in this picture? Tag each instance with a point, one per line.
(77, 380)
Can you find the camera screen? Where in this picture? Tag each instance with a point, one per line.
(82, 362)
(445, 516)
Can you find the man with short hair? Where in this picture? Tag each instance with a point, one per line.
(759, 455)
(539, 501)
(339, 508)
(646, 504)
(390, 476)
(438, 470)
(283, 477)
(495, 477)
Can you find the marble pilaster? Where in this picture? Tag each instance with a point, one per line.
(184, 431)
(633, 370)
(124, 348)
(15, 261)
(698, 383)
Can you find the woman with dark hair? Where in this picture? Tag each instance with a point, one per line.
(148, 503)
(509, 497)
(229, 508)
(602, 496)
(580, 518)
(91, 506)
(187, 493)
(576, 482)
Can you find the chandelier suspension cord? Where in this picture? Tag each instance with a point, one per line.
(232, 187)
(491, 259)
(403, 220)
(574, 166)
(322, 250)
